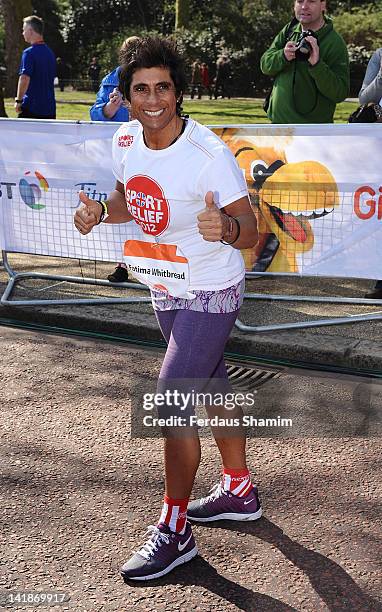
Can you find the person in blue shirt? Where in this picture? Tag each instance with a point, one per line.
(35, 89)
(110, 106)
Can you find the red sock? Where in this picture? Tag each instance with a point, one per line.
(174, 513)
(237, 482)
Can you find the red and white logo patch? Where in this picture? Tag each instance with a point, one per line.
(126, 140)
(147, 204)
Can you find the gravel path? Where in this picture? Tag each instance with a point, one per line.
(77, 493)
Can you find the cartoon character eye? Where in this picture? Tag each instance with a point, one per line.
(260, 171)
(258, 168)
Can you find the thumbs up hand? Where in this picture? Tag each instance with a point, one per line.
(87, 215)
(211, 222)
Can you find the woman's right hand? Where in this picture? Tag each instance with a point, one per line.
(87, 215)
(115, 97)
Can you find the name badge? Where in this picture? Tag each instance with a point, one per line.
(162, 267)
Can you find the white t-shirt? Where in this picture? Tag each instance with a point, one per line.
(165, 191)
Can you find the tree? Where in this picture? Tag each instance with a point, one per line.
(14, 11)
(2, 107)
(280, 11)
(182, 14)
(51, 12)
(93, 22)
(2, 68)
(339, 6)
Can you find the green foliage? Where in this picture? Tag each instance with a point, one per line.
(208, 112)
(361, 27)
(362, 30)
(2, 42)
(207, 46)
(241, 29)
(226, 18)
(107, 52)
(335, 7)
(280, 11)
(92, 23)
(359, 58)
(182, 14)
(50, 11)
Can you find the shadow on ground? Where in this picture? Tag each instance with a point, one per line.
(330, 581)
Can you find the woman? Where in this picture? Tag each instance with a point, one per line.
(206, 82)
(109, 104)
(371, 91)
(183, 188)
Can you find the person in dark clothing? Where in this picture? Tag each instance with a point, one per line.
(62, 73)
(223, 75)
(206, 82)
(93, 73)
(196, 80)
(35, 89)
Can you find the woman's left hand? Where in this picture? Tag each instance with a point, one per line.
(211, 222)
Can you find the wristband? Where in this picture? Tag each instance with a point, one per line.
(230, 226)
(104, 213)
(230, 231)
(18, 101)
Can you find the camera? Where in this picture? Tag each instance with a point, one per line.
(303, 48)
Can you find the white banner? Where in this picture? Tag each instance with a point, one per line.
(316, 191)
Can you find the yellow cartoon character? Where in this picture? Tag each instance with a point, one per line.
(287, 198)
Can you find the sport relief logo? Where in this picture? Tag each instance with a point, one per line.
(126, 140)
(147, 204)
(31, 192)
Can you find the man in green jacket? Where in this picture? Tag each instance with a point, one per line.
(307, 86)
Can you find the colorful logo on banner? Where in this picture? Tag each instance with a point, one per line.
(287, 199)
(147, 204)
(31, 192)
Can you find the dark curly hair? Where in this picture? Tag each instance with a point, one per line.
(153, 52)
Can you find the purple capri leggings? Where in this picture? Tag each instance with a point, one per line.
(196, 342)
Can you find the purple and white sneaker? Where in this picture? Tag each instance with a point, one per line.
(163, 551)
(223, 505)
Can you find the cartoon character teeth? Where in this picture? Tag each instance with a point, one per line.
(293, 196)
(286, 197)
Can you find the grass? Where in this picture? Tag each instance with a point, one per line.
(75, 105)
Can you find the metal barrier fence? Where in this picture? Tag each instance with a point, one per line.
(257, 149)
(15, 277)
